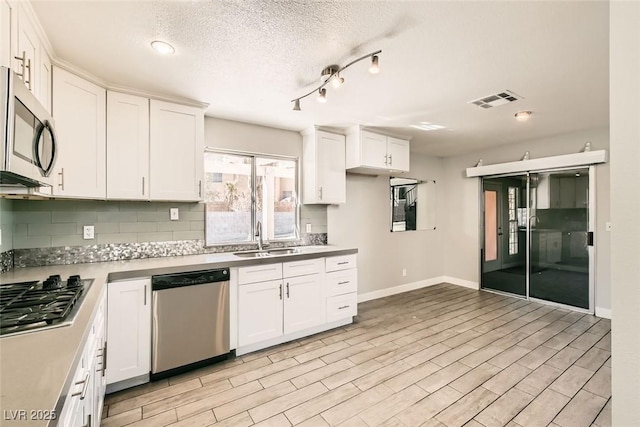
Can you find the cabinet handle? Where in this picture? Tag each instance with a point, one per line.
(343, 307)
(143, 185)
(287, 289)
(145, 294)
(83, 393)
(390, 159)
(343, 262)
(88, 424)
(104, 359)
(280, 290)
(61, 175)
(320, 193)
(200, 188)
(386, 159)
(23, 66)
(28, 82)
(343, 283)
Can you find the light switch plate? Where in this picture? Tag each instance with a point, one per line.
(88, 232)
(174, 213)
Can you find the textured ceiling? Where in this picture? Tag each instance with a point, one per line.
(248, 59)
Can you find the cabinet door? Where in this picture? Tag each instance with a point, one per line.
(44, 80)
(582, 191)
(373, 150)
(177, 152)
(259, 311)
(567, 192)
(128, 329)
(398, 151)
(303, 303)
(6, 36)
(127, 147)
(330, 168)
(28, 44)
(79, 111)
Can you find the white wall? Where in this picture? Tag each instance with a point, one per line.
(364, 222)
(462, 226)
(625, 209)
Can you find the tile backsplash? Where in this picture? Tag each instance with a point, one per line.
(40, 224)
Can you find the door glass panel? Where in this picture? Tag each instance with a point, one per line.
(559, 230)
(504, 261)
(490, 225)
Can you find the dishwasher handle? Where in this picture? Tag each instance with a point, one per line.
(191, 278)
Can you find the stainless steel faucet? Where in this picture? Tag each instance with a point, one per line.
(259, 234)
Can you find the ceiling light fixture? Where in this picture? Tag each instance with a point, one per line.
(162, 48)
(374, 68)
(332, 73)
(522, 116)
(322, 97)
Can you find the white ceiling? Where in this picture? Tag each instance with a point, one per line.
(248, 59)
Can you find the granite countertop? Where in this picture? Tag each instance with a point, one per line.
(36, 368)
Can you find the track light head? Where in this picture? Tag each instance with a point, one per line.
(296, 105)
(374, 68)
(337, 81)
(322, 95)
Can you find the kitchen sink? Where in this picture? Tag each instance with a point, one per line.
(284, 251)
(252, 254)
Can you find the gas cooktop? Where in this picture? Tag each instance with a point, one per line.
(34, 306)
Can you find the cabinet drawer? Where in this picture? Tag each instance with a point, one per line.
(343, 262)
(259, 273)
(342, 282)
(302, 268)
(342, 306)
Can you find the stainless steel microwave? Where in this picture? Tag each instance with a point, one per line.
(28, 137)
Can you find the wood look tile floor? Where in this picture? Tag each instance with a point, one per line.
(438, 356)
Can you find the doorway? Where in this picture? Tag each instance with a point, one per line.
(536, 234)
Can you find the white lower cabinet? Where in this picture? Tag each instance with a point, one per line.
(84, 402)
(260, 312)
(294, 299)
(303, 303)
(128, 329)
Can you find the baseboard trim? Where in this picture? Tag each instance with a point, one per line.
(460, 282)
(399, 289)
(605, 313)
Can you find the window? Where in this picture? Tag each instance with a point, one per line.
(513, 220)
(242, 189)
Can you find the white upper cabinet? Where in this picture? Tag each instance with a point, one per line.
(45, 78)
(323, 169)
(398, 152)
(373, 153)
(79, 109)
(176, 152)
(7, 12)
(127, 147)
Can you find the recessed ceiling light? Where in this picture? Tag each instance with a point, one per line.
(426, 126)
(162, 48)
(522, 116)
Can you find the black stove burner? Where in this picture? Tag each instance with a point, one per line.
(30, 305)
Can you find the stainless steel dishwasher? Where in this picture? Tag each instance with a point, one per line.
(190, 320)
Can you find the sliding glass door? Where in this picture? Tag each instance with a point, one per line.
(536, 236)
(560, 237)
(504, 254)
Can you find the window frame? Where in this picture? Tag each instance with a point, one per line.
(254, 156)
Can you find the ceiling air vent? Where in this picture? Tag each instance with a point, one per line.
(496, 100)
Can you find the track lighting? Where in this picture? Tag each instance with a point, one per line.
(332, 73)
(374, 68)
(322, 95)
(337, 81)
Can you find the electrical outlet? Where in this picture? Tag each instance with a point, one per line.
(404, 272)
(88, 232)
(608, 226)
(308, 228)
(175, 214)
